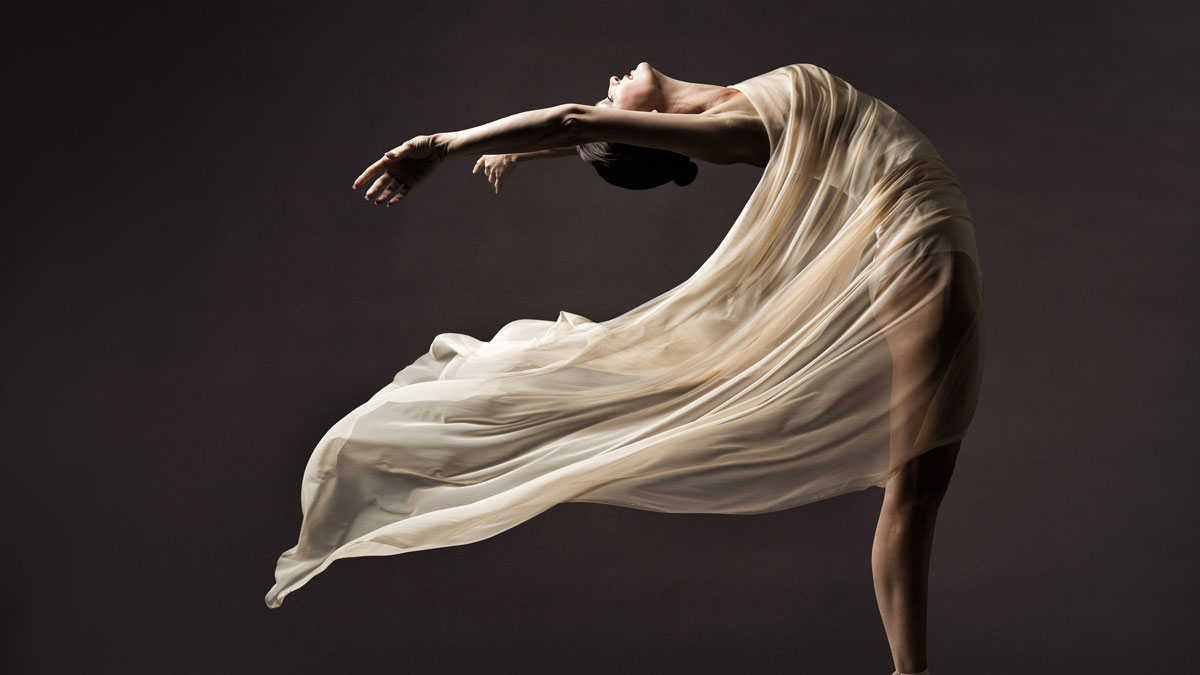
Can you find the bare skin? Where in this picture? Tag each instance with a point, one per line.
(901, 551)
(719, 125)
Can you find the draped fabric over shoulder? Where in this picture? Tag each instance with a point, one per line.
(835, 333)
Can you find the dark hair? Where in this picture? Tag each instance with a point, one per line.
(635, 167)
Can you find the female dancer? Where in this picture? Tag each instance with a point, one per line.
(756, 385)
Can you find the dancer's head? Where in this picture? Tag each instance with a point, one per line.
(631, 166)
(639, 89)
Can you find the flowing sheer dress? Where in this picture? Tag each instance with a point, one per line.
(835, 333)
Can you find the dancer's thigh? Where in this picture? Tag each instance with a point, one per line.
(930, 311)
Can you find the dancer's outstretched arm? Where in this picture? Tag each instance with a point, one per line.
(727, 138)
(403, 167)
(720, 139)
(498, 167)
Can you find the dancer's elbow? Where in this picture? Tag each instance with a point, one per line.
(569, 120)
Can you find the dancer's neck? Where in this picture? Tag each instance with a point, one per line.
(693, 97)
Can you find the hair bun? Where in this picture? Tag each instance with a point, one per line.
(687, 174)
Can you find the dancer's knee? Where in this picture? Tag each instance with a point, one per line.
(923, 481)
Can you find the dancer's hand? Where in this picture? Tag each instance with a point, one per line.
(496, 167)
(402, 168)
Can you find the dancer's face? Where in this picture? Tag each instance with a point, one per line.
(639, 89)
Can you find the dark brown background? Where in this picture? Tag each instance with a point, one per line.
(192, 295)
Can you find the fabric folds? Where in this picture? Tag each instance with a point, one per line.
(835, 333)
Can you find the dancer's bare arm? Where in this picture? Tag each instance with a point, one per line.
(496, 168)
(721, 139)
(406, 165)
(727, 138)
(565, 151)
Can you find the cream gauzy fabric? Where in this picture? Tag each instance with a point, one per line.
(835, 333)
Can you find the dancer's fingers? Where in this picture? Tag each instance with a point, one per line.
(477, 165)
(387, 192)
(380, 183)
(399, 195)
(366, 175)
